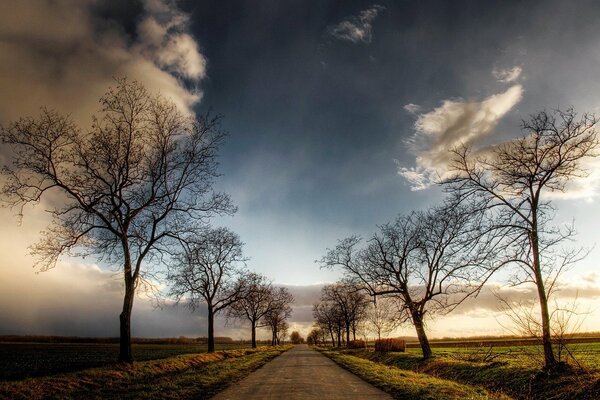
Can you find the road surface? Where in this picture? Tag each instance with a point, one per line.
(301, 373)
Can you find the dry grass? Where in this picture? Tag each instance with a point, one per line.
(183, 377)
(515, 377)
(403, 384)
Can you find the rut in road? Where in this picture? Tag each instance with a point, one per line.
(302, 373)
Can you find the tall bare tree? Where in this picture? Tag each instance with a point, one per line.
(428, 261)
(259, 299)
(209, 271)
(124, 190)
(513, 180)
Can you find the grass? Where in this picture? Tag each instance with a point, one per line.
(404, 384)
(22, 360)
(515, 372)
(197, 376)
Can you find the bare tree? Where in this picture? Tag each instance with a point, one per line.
(351, 303)
(315, 336)
(278, 313)
(329, 318)
(124, 190)
(428, 261)
(257, 302)
(208, 271)
(296, 338)
(513, 179)
(566, 321)
(382, 316)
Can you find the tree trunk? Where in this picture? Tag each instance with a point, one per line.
(549, 359)
(332, 337)
(347, 335)
(211, 330)
(253, 334)
(417, 318)
(125, 354)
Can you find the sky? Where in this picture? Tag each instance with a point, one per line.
(339, 116)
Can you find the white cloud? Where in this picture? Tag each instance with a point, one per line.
(507, 75)
(453, 123)
(584, 187)
(357, 29)
(164, 40)
(412, 108)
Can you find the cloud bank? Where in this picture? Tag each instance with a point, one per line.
(357, 29)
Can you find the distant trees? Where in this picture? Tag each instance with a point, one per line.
(341, 308)
(296, 338)
(329, 319)
(427, 261)
(351, 304)
(276, 317)
(124, 190)
(258, 302)
(512, 181)
(208, 270)
(315, 336)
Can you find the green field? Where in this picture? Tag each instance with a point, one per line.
(21, 360)
(512, 371)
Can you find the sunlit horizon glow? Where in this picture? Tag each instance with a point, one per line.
(336, 126)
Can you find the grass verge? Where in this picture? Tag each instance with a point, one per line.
(403, 384)
(196, 376)
(522, 382)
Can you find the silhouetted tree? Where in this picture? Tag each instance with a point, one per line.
(351, 302)
(296, 338)
(329, 318)
(278, 313)
(428, 261)
(258, 300)
(513, 179)
(208, 271)
(315, 336)
(123, 190)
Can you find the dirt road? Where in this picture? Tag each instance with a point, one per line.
(301, 373)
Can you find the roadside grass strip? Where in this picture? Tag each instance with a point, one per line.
(197, 376)
(403, 384)
(513, 375)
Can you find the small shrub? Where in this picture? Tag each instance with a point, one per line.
(386, 345)
(357, 344)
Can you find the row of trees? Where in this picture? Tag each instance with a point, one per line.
(497, 215)
(135, 190)
(345, 308)
(209, 272)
